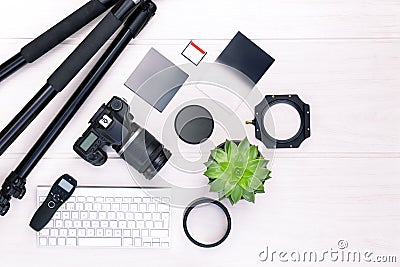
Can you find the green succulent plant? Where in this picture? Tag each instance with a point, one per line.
(237, 171)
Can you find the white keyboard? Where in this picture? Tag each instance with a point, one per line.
(109, 217)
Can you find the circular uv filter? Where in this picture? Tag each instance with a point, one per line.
(194, 124)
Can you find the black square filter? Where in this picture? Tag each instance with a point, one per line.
(245, 56)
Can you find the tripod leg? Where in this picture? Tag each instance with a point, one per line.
(54, 36)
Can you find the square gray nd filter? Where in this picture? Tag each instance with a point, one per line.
(245, 56)
(156, 80)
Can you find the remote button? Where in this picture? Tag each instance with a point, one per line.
(51, 205)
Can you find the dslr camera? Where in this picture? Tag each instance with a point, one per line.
(113, 126)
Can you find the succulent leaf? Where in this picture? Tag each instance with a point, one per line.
(219, 155)
(249, 196)
(237, 194)
(217, 185)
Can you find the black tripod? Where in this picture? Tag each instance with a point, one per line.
(14, 185)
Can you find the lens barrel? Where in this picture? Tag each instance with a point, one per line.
(144, 152)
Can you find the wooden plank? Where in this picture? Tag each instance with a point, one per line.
(350, 85)
(209, 19)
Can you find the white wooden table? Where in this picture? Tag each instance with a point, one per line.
(340, 56)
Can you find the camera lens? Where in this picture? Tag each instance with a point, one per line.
(144, 152)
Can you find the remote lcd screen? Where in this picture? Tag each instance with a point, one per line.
(65, 185)
(88, 142)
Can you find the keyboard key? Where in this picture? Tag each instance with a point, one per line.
(136, 233)
(57, 215)
(115, 207)
(66, 215)
(145, 233)
(81, 199)
(163, 207)
(102, 215)
(156, 244)
(90, 232)
(95, 224)
(97, 206)
(90, 199)
(99, 199)
(54, 232)
(120, 216)
(159, 233)
(131, 224)
(146, 200)
(104, 224)
(138, 216)
(72, 232)
(127, 233)
(43, 241)
(93, 215)
(127, 199)
(81, 232)
(59, 223)
(165, 216)
(149, 224)
(74, 215)
(109, 199)
(138, 242)
(146, 244)
(111, 215)
(61, 241)
(88, 206)
(45, 232)
(63, 232)
(137, 199)
(72, 199)
(52, 241)
(129, 216)
(70, 206)
(158, 225)
(109, 233)
(147, 216)
(99, 232)
(152, 207)
(107, 207)
(125, 207)
(86, 224)
(118, 199)
(165, 245)
(113, 224)
(42, 199)
(134, 207)
(140, 224)
(79, 206)
(84, 215)
(68, 224)
(100, 242)
(122, 225)
(118, 233)
(128, 242)
(71, 242)
(77, 224)
(142, 207)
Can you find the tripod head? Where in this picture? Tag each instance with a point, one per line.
(14, 186)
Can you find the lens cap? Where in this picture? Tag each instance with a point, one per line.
(194, 124)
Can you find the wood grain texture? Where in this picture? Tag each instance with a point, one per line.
(340, 56)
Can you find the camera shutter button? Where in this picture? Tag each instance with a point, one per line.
(116, 104)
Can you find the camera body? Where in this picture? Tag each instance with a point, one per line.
(113, 126)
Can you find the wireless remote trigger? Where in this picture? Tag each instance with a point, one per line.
(60, 192)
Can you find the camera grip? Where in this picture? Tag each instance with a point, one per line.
(65, 28)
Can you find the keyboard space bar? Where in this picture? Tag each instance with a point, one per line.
(99, 242)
